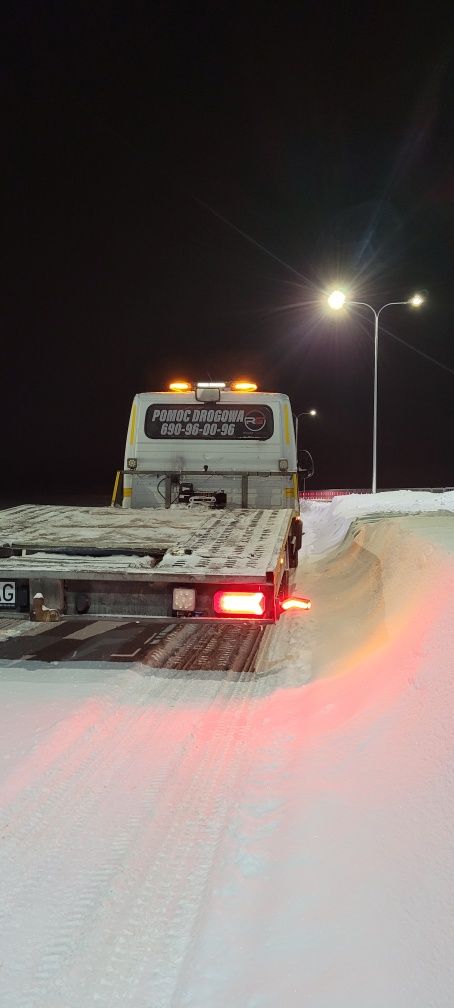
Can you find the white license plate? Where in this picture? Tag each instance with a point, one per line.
(7, 593)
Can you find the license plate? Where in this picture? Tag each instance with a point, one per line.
(7, 593)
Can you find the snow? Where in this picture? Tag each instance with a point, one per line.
(41, 563)
(329, 524)
(245, 543)
(45, 525)
(182, 841)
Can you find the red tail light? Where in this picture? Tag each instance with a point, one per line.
(293, 602)
(239, 603)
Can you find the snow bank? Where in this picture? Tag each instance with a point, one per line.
(327, 524)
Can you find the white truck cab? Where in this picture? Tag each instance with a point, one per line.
(226, 443)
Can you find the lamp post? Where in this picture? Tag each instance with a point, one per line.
(336, 301)
(311, 412)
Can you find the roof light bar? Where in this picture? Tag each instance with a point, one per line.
(236, 386)
(239, 603)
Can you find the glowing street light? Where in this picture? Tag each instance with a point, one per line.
(311, 412)
(336, 300)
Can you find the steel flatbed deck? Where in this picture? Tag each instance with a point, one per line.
(147, 544)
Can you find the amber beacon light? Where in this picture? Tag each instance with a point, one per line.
(243, 386)
(180, 386)
(295, 602)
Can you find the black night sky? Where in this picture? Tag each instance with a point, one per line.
(143, 143)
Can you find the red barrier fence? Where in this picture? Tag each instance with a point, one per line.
(327, 495)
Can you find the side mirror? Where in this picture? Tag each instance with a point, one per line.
(306, 463)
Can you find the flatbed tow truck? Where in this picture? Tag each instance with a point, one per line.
(204, 523)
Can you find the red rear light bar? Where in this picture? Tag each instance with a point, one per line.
(253, 603)
(239, 603)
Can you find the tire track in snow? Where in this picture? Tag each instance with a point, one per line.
(166, 878)
(153, 867)
(80, 756)
(42, 842)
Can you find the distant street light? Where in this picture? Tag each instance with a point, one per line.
(311, 412)
(309, 470)
(336, 300)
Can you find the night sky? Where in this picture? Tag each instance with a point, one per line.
(143, 143)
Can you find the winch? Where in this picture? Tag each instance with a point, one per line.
(211, 498)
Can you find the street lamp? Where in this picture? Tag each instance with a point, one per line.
(310, 471)
(311, 412)
(336, 300)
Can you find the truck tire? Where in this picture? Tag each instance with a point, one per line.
(294, 542)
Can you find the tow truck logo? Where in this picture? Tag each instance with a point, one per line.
(255, 420)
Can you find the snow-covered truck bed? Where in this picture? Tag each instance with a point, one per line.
(114, 562)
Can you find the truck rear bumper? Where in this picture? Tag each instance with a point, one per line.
(48, 599)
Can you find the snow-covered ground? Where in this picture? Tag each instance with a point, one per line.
(174, 839)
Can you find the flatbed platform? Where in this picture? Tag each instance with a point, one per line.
(148, 544)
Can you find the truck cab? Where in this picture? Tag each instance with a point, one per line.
(225, 443)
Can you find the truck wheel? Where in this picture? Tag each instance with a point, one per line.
(292, 552)
(294, 543)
